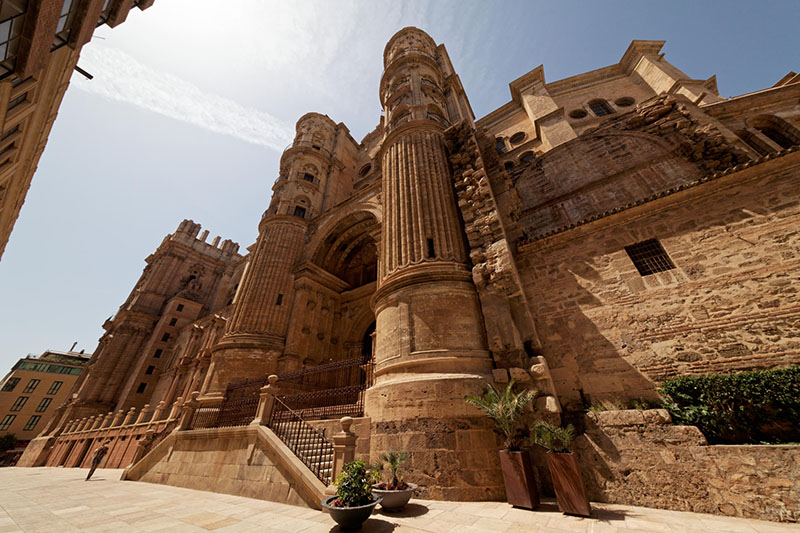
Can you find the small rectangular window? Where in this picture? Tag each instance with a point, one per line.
(10, 384)
(431, 249)
(9, 133)
(7, 421)
(17, 101)
(31, 386)
(19, 403)
(649, 257)
(32, 422)
(179, 308)
(165, 337)
(600, 108)
(309, 177)
(158, 353)
(43, 405)
(140, 388)
(279, 299)
(300, 211)
(173, 321)
(149, 370)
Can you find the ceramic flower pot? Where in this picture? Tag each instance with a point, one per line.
(518, 479)
(394, 500)
(350, 518)
(568, 484)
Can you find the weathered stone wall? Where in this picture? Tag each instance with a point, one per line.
(730, 304)
(361, 427)
(639, 458)
(236, 461)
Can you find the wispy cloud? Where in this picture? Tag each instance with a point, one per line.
(118, 76)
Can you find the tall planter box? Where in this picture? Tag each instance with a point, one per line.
(568, 484)
(519, 480)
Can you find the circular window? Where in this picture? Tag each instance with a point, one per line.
(517, 137)
(364, 170)
(625, 101)
(578, 113)
(508, 165)
(527, 157)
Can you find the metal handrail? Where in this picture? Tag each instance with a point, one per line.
(305, 441)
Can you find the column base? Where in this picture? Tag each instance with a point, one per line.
(453, 452)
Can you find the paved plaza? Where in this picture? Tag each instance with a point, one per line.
(59, 500)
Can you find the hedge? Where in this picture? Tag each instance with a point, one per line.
(762, 406)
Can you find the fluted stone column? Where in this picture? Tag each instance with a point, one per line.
(431, 351)
(255, 334)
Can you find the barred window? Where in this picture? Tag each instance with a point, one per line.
(649, 257)
(600, 108)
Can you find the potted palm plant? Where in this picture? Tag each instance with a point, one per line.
(354, 502)
(395, 492)
(506, 409)
(564, 468)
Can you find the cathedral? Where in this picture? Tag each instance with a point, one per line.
(590, 238)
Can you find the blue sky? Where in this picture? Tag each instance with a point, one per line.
(192, 104)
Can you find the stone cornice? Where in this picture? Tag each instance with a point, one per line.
(423, 272)
(748, 167)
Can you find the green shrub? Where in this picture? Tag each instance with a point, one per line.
(354, 485)
(750, 407)
(506, 408)
(551, 437)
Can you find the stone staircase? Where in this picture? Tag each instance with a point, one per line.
(307, 448)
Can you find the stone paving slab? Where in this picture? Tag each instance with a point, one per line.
(59, 500)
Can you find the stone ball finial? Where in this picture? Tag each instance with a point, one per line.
(273, 379)
(346, 422)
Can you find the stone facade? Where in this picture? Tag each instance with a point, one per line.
(589, 238)
(639, 458)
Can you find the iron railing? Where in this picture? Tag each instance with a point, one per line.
(326, 376)
(307, 443)
(206, 417)
(159, 436)
(241, 403)
(329, 403)
(329, 390)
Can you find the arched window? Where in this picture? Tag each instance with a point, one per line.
(600, 108)
(777, 130)
(527, 157)
(500, 145)
(517, 137)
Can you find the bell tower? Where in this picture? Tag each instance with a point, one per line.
(431, 349)
(255, 335)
